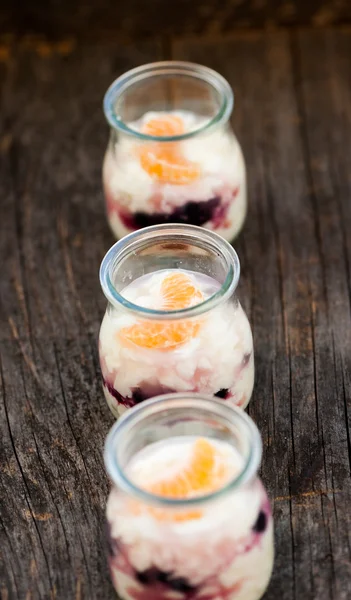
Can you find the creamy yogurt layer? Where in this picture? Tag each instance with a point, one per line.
(203, 180)
(213, 551)
(141, 358)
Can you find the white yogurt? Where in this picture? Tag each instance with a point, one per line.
(218, 550)
(130, 188)
(219, 357)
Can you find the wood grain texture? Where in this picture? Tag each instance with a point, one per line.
(99, 18)
(292, 116)
(54, 420)
(54, 136)
(296, 285)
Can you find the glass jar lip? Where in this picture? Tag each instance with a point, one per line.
(170, 67)
(181, 400)
(130, 243)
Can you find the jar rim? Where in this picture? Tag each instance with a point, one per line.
(209, 76)
(155, 234)
(205, 404)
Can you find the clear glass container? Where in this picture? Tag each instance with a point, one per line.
(173, 321)
(172, 155)
(188, 518)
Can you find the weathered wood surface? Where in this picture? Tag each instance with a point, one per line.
(99, 18)
(293, 118)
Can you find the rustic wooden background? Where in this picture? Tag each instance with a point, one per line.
(292, 116)
(94, 18)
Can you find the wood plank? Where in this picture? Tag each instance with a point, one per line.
(130, 20)
(14, 318)
(54, 488)
(323, 65)
(53, 140)
(54, 419)
(295, 340)
(292, 116)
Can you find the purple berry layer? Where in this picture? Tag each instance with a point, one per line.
(148, 391)
(196, 213)
(157, 584)
(139, 394)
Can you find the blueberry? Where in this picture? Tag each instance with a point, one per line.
(222, 393)
(138, 396)
(261, 522)
(180, 584)
(152, 575)
(163, 576)
(196, 213)
(147, 577)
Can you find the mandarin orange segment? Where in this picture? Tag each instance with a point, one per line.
(164, 126)
(164, 161)
(205, 473)
(160, 336)
(202, 465)
(167, 165)
(179, 292)
(200, 475)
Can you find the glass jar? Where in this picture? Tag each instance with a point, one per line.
(173, 321)
(188, 517)
(172, 155)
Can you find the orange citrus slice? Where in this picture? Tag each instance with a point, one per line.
(160, 335)
(168, 165)
(194, 478)
(177, 292)
(164, 162)
(204, 474)
(164, 126)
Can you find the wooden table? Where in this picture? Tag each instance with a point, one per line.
(293, 116)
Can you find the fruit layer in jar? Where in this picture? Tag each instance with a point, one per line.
(221, 549)
(199, 180)
(211, 353)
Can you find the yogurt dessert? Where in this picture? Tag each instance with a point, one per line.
(173, 321)
(200, 180)
(141, 358)
(188, 519)
(173, 165)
